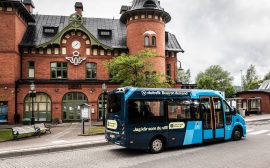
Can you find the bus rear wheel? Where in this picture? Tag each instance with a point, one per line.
(156, 145)
(236, 134)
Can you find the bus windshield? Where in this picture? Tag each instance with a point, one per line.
(114, 103)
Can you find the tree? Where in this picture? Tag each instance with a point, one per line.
(267, 76)
(216, 78)
(184, 76)
(135, 70)
(251, 79)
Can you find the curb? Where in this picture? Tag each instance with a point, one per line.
(50, 149)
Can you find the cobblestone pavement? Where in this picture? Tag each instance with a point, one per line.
(251, 152)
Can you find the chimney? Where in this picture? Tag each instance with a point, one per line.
(79, 8)
(29, 5)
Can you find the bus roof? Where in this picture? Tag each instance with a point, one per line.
(145, 93)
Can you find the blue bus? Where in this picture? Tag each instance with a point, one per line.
(154, 119)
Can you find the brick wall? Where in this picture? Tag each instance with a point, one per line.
(173, 62)
(12, 29)
(265, 99)
(57, 91)
(42, 66)
(135, 40)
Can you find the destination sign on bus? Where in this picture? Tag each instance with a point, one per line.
(166, 93)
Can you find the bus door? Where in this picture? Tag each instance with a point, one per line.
(218, 118)
(213, 118)
(228, 120)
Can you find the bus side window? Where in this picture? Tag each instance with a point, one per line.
(195, 110)
(133, 111)
(153, 110)
(140, 111)
(179, 109)
(227, 111)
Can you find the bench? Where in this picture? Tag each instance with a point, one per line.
(16, 131)
(42, 128)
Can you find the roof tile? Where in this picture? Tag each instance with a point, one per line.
(34, 35)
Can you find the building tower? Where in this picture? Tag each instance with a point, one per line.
(14, 16)
(145, 21)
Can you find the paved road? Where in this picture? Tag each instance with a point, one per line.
(252, 152)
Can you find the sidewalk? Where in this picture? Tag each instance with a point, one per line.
(65, 137)
(254, 117)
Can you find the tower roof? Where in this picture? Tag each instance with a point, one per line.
(145, 6)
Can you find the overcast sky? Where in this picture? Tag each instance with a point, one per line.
(230, 33)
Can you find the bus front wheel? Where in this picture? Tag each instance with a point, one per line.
(156, 145)
(236, 134)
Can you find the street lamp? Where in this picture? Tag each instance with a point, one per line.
(180, 69)
(104, 90)
(32, 94)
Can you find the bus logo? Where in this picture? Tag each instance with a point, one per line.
(144, 93)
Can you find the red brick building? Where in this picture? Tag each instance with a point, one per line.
(64, 56)
(256, 101)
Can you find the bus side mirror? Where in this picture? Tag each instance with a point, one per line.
(233, 112)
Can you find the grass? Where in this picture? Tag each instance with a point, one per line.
(6, 135)
(96, 130)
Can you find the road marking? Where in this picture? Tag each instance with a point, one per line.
(59, 142)
(249, 130)
(259, 132)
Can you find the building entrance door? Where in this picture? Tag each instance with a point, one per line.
(71, 106)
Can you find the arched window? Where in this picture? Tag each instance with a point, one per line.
(102, 105)
(42, 107)
(154, 43)
(146, 41)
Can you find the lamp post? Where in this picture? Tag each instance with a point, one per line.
(241, 80)
(180, 69)
(104, 90)
(32, 94)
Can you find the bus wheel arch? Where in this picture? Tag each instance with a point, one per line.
(237, 133)
(157, 144)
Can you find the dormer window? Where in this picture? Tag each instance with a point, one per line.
(105, 33)
(150, 4)
(50, 30)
